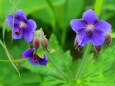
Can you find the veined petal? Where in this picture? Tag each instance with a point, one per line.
(28, 35)
(82, 38)
(17, 32)
(17, 36)
(10, 20)
(77, 25)
(89, 16)
(43, 61)
(31, 61)
(20, 14)
(28, 53)
(103, 26)
(31, 25)
(97, 39)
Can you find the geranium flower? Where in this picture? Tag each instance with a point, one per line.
(90, 29)
(21, 26)
(34, 58)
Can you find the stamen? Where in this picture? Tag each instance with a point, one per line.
(34, 60)
(18, 32)
(90, 29)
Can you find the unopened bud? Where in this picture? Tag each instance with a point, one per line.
(80, 48)
(36, 42)
(75, 44)
(108, 39)
(98, 49)
(44, 43)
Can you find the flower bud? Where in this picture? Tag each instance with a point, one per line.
(44, 42)
(108, 39)
(36, 42)
(75, 44)
(80, 48)
(98, 49)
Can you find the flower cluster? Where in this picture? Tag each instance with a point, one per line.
(38, 44)
(22, 27)
(90, 29)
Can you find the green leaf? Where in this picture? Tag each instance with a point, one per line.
(99, 69)
(40, 52)
(109, 5)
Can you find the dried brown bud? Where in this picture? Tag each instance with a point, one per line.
(44, 42)
(98, 49)
(108, 39)
(36, 42)
(80, 48)
(75, 44)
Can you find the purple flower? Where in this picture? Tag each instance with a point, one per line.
(21, 26)
(90, 29)
(34, 58)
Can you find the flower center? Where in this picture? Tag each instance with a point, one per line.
(90, 29)
(22, 24)
(35, 58)
(18, 32)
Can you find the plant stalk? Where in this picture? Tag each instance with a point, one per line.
(83, 61)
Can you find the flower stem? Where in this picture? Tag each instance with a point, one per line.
(9, 56)
(83, 62)
(63, 37)
(56, 66)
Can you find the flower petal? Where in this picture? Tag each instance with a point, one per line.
(82, 38)
(31, 61)
(28, 35)
(10, 20)
(77, 25)
(103, 26)
(17, 32)
(97, 39)
(89, 16)
(31, 24)
(20, 14)
(43, 61)
(28, 53)
(15, 36)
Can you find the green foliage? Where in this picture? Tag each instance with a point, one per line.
(55, 15)
(97, 69)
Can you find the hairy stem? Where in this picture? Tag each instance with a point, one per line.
(83, 62)
(56, 66)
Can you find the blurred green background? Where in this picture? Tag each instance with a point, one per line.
(54, 17)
